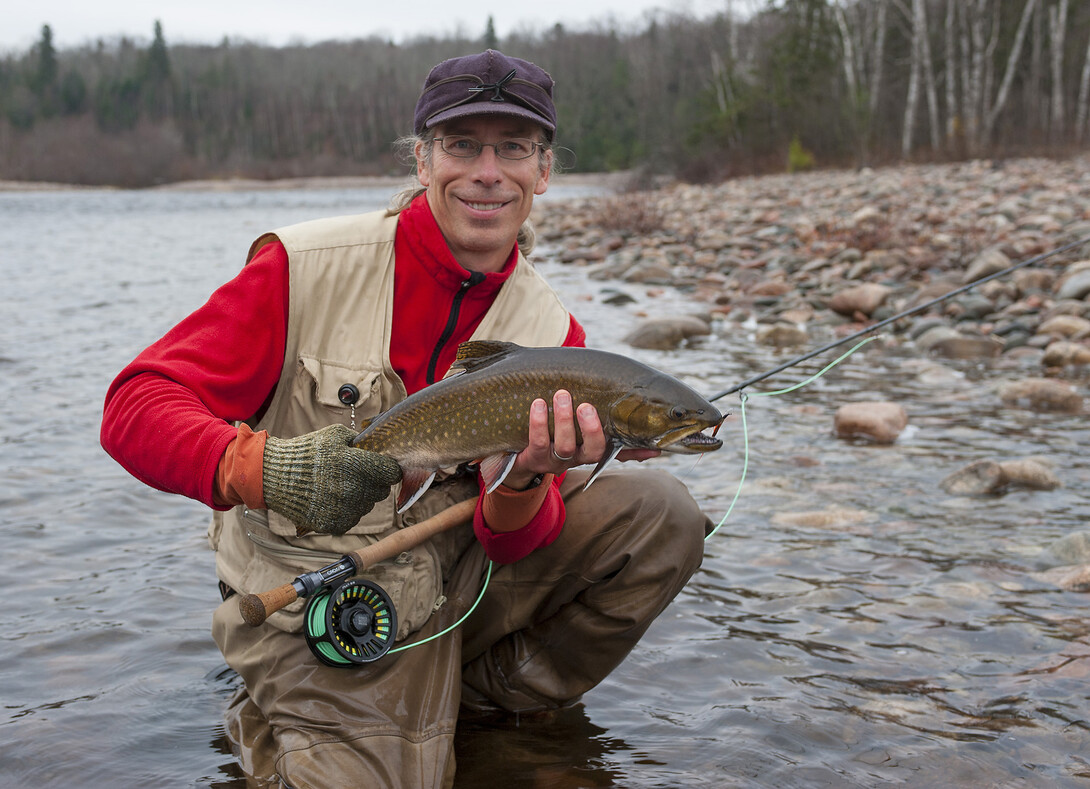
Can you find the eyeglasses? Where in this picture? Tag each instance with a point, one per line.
(468, 147)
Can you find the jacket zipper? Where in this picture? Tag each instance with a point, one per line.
(475, 278)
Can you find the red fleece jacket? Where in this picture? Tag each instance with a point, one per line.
(166, 416)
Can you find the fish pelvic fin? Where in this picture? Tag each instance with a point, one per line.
(613, 448)
(495, 468)
(476, 354)
(414, 484)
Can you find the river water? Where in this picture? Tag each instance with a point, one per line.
(902, 641)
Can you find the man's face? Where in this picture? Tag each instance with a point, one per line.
(480, 203)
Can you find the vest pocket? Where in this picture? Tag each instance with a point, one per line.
(319, 385)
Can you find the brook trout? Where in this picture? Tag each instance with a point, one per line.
(482, 412)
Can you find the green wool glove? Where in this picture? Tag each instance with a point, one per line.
(320, 482)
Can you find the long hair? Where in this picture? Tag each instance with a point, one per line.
(406, 152)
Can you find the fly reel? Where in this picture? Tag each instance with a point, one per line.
(352, 624)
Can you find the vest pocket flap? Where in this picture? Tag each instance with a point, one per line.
(330, 378)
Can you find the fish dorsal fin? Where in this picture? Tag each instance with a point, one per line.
(475, 354)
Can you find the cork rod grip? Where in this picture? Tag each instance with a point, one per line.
(257, 608)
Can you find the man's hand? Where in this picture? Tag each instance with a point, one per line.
(321, 483)
(558, 452)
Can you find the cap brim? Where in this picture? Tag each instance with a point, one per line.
(489, 108)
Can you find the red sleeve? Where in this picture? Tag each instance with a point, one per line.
(545, 526)
(166, 416)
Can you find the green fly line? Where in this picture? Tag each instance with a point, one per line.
(745, 466)
(745, 428)
(465, 616)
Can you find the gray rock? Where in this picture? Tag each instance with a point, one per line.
(1077, 286)
(990, 261)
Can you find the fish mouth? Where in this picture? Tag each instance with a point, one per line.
(690, 439)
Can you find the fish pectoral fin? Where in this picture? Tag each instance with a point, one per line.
(613, 448)
(495, 468)
(414, 483)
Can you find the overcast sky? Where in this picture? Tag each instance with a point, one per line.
(278, 22)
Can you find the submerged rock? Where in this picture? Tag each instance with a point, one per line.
(881, 422)
(984, 477)
(664, 334)
(1041, 394)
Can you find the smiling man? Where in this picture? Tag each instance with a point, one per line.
(250, 405)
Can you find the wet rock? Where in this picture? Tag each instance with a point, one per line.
(1065, 354)
(976, 479)
(664, 334)
(616, 298)
(988, 262)
(834, 518)
(963, 346)
(1076, 286)
(984, 477)
(1072, 548)
(1029, 473)
(1041, 394)
(881, 422)
(863, 299)
(1073, 578)
(782, 335)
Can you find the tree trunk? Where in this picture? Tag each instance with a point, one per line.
(951, 74)
(1084, 97)
(1057, 25)
(929, 82)
(912, 99)
(1008, 76)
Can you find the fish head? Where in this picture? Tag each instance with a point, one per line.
(667, 415)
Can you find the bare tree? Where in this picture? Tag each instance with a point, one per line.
(1057, 25)
(1084, 97)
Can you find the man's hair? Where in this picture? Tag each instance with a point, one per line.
(406, 151)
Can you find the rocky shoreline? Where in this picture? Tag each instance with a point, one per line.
(799, 259)
(844, 249)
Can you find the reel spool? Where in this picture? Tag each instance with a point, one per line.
(353, 624)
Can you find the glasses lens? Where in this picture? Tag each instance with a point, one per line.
(467, 147)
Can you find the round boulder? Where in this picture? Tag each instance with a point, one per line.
(880, 422)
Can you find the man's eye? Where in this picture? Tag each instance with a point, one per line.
(461, 144)
(516, 146)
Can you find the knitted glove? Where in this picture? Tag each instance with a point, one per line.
(321, 483)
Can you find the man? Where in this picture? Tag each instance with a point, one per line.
(250, 405)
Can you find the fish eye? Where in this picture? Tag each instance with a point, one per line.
(677, 412)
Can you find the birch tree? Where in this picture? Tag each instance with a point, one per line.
(1057, 26)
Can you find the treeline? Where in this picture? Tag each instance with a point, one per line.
(801, 83)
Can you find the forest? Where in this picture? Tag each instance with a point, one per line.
(798, 84)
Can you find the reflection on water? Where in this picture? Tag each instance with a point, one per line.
(904, 642)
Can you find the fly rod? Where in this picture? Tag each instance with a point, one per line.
(898, 316)
(256, 608)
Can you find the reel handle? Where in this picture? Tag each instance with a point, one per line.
(256, 608)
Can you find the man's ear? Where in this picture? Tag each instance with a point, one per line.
(543, 181)
(422, 174)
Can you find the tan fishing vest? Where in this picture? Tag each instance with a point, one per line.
(341, 274)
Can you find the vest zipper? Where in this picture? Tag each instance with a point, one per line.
(475, 278)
